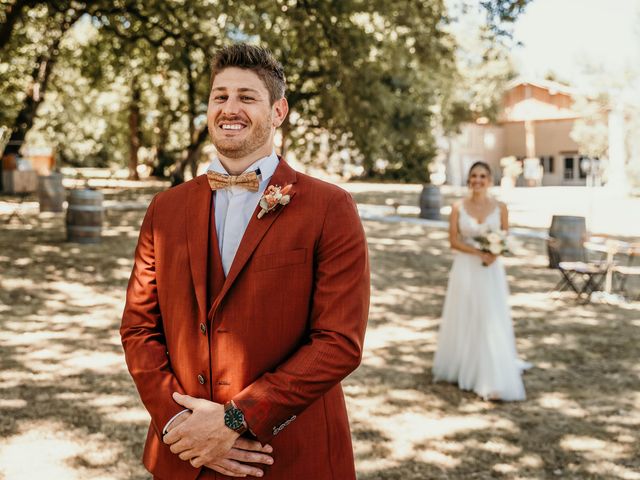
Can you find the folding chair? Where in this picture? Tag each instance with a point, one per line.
(583, 278)
(624, 272)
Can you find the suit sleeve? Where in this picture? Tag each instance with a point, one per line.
(143, 336)
(338, 318)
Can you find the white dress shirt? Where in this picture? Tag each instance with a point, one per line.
(234, 207)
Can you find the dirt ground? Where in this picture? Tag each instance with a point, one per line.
(69, 410)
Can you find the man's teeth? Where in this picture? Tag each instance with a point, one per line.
(231, 127)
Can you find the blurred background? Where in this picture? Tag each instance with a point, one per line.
(545, 91)
(103, 104)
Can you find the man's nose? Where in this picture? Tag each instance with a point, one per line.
(231, 106)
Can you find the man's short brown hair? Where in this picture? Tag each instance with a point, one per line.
(257, 59)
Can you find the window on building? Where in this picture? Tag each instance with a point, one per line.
(569, 168)
(547, 163)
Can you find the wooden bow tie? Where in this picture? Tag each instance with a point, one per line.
(247, 180)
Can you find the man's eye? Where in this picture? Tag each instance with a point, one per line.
(246, 98)
(220, 98)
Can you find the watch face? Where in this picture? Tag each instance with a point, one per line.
(233, 418)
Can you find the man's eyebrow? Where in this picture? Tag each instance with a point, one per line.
(243, 89)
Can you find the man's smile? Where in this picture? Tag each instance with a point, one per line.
(231, 126)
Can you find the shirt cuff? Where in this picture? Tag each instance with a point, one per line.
(164, 430)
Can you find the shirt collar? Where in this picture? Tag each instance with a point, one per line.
(267, 166)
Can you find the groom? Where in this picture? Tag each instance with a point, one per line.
(248, 301)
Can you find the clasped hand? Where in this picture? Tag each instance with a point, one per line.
(488, 258)
(202, 438)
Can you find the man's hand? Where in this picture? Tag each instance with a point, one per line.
(203, 438)
(243, 451)
(178, 420)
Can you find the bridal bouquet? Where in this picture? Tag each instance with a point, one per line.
(495, 242)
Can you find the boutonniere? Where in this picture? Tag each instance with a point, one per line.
(273, 196)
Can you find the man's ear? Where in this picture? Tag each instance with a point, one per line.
(280, 109)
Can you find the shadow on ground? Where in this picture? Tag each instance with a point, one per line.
(582, 414)
(70, 410)
(68, 405)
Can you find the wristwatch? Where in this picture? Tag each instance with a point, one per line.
(234, 418)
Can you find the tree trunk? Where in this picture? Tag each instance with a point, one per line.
(41, 75)
(367, 169)
(163, 158)
(134, 129)
(26, 116)
(190, 156)
(196, 139)
(192, 160)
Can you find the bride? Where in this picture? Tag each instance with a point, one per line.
(476, 346)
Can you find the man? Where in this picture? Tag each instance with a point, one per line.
(248, 301)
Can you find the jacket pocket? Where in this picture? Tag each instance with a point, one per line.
(280, 259)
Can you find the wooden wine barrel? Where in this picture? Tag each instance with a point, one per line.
(571, 233)
(430, 202)
(84, 216)
(51, 193)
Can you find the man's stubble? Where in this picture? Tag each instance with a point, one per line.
(233, 148)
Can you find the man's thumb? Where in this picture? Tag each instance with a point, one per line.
(185, 400)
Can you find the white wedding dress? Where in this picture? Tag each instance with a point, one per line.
(476, 345)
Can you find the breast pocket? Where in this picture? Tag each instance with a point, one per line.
(280, 259)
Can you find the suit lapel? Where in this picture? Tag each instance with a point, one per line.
(215, 274)
(257, 228)
(198, 214)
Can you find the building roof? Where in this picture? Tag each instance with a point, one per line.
(536, 107)
(551, 86)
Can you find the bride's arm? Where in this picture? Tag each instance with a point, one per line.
(504, 217)
(454, 237)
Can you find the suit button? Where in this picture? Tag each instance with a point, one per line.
(203, 328)
(201, 379)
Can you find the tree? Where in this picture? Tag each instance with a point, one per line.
(362, 76)
(483, 64)
(56, 24)
(500, 13)
(163, 29)
(368, 81)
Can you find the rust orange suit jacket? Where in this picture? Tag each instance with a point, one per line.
(277, 335)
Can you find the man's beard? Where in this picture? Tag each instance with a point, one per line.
(234, 148)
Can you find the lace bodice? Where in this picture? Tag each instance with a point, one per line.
(470, 227)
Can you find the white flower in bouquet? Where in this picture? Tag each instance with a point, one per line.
(494, 242)
(495, 248)
(494, 238)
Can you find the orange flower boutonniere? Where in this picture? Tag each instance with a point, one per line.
(273, 196)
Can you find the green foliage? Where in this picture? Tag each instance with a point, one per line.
(369, 81)
(363, 77)
(483, 67)
(502, 12)
(18, 61)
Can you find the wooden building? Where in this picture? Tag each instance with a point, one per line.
(535, 123)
